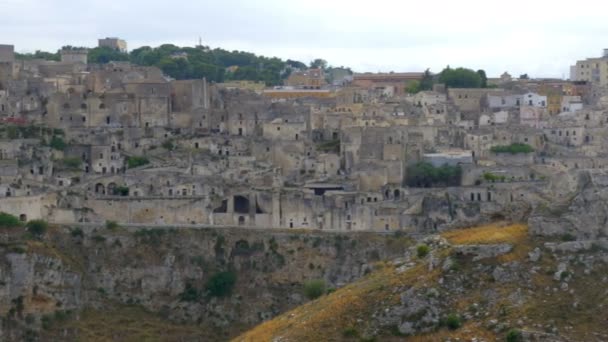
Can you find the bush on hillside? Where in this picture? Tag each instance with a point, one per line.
(9, 221)
(221, 284)
(422, 251)
(37, 227)
(514, 335)
(314, 289)
(453, 321)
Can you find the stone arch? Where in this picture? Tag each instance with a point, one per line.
(100, 189)
(111, 188)
(241, 220)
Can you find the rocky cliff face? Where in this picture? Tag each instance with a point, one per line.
(165, 272)
(583, 215)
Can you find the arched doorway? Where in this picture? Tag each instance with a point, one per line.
(397, 194)
(241, 220)
(23, 218)
(100, 189)
(112, 188)
(241, 205)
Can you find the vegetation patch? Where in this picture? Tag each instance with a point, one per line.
(136, 161)
(332, 146)
(9, 221)
(513, 148)
(314, 289)
(424, 174)
(221, 284)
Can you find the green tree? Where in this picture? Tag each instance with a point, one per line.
(460, 78)
(484, 78)
(413, 87)
(103, 55)
(318, 63)
(424, 174)
(427, 81)
(296, 64)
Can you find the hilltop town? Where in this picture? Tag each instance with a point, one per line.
(116, 141)
(190, 194)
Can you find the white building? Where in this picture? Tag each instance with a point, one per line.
(534, 100)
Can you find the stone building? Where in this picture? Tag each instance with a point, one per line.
(113, 43)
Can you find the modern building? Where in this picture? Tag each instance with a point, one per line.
(593, 70)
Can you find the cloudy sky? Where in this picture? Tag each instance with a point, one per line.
(538, 37)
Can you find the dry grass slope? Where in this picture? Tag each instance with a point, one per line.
(327, 318)
(488, 234)
(126, 324)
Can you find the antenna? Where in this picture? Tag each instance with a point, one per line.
(200, 41)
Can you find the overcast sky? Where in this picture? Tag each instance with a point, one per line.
(539, 37)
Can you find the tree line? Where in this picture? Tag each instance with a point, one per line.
(195, 62)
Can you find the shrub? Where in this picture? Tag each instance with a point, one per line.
(332, 146)
(168, 145)
(121, 191)
(136, 161)
(37, 227)
(490, 177)
(514, 335)
(72, 163)
(350, 332)
(453, 321)
(111, 225)
(568, 237)
(221, 284)
(314, 289)
(422, 251)
(190, 294)
(9, 221)
(77, 232)
(57, 143)
(513, 148)
(98, 238)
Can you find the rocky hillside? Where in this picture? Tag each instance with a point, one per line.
(168, 285)
(490, 283)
